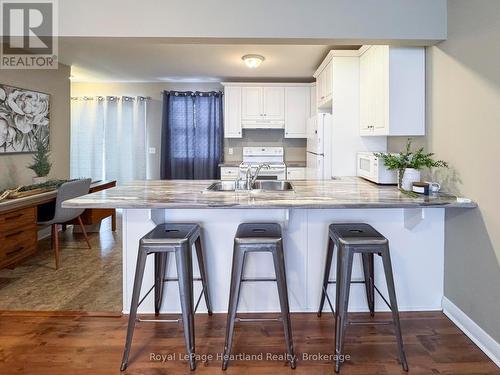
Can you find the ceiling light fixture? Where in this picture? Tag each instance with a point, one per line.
(253, 61)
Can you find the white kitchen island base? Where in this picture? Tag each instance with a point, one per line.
(417, 253)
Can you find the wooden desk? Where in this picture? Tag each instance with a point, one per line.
(18, 223)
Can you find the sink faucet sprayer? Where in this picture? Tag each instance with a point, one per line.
(251, 179)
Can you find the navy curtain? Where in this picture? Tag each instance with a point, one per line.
(192, 135)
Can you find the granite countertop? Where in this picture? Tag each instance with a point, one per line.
(347, 192)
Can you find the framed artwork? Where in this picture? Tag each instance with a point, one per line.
(24, 119)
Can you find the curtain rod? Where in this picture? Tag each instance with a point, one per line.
(112, 98)
(192, 93)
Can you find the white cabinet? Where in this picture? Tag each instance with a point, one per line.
(266, 106)
(324, 86)
(273, 99)
(251, 103)
(295, 173)
(392, 91)
(232, 112)
(229, 173)
(297, 111)
(313, 103)
(263, 103)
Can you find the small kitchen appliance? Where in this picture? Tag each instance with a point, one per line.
(372, 168)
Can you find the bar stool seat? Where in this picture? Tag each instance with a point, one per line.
(177, 238)
(356, 234)
(258, 237)
(258, 233)
(351, 238)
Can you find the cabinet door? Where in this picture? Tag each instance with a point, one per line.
(252, 103)
(297, 109)
(274, 103)
(365, 93)
(232, 112)
(295, 173)
(380, 76)
(328, 78)
(229, 173)
(320, 87)
(313, 102)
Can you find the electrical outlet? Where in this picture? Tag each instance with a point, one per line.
(230, 151)
(152, 150)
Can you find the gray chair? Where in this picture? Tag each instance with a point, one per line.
(352, 238)
(176, 239)
(258, 237)
(54, 215)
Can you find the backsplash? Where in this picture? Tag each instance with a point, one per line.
(295, 149)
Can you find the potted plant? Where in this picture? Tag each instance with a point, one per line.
(408, 163)
(41, 164)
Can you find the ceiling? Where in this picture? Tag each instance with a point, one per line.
(158, 60)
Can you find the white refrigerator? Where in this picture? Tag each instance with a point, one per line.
(319, 147)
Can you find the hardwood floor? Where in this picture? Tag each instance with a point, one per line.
(65, 344)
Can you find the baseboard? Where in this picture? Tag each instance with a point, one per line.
(484, 341)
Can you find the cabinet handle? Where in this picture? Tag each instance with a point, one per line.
(265, 114)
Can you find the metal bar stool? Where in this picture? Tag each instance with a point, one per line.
(162, 240)
(360, 238)
(258, 237)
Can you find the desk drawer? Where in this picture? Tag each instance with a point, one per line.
(17, 244)
(17, 219)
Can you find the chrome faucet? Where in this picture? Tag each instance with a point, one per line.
(257, 171)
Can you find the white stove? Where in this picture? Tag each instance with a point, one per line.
(274, 156)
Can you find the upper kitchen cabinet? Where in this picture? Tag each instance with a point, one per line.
(232, 112)
(266, 106)
(297, 111)
(324, 84)
(392, 91)
(262, 105)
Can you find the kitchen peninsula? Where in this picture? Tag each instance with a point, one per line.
(414, 227)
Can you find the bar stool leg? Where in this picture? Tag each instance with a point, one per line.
(279, 269)
(160, 268)
(139, 273)
(369, 273)
(234, 296)
(386, 259)
(203, 274)
(185, 275)
(326, 274)
(344, 283)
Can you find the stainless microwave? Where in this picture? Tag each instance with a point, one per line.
(373, 169)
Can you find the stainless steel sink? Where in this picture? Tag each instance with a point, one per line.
(227, 186)
(272, 185)
(263, 185)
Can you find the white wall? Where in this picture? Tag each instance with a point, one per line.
(342, 20)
